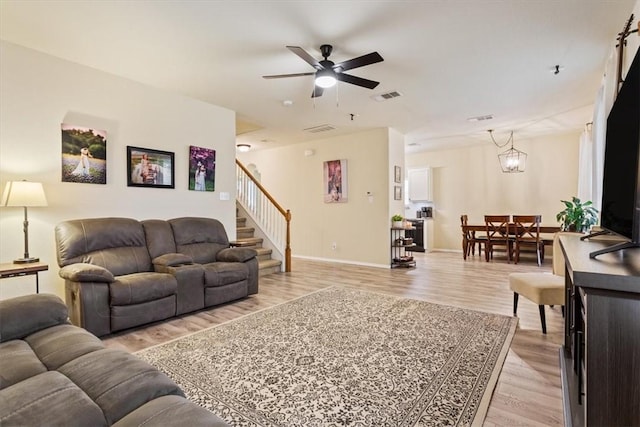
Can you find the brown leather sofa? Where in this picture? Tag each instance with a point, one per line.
(56, 374)
(120, 272)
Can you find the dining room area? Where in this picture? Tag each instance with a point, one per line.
(507, 238)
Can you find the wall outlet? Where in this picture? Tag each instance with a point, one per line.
(334, 246)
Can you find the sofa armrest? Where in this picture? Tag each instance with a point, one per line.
(172, 260)
(236, 254)
(83, 272)
(27, 314)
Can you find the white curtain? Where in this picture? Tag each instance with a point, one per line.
(592, 141)
(585, 165)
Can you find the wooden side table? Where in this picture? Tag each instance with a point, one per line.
(16, 270)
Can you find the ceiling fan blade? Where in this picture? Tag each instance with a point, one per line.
(317, 91)
(306, 57)
(358, 81)
(281, 76)
(361, 61)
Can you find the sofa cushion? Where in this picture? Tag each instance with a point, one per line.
(48, 399)
(24, 315)
(159, 237)
(200, 238)
(224, 273)
(170, 411)
(60, 344)
(118, 381)
(117, 244)
(141, 287)
(19, 362)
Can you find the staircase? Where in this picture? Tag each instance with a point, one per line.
(245, 238)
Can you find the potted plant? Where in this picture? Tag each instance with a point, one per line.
(577, 216)
(397, 221)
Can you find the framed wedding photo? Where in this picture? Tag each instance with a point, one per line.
(84, 154)
(150, 168)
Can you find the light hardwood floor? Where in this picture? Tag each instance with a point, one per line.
(528, 392)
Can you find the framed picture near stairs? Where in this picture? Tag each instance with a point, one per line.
(335, 181)
(202, 169)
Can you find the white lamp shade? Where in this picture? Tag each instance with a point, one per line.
(23, 193)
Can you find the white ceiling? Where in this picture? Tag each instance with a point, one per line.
(450, 59)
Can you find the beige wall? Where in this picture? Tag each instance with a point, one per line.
(396, 158)
(39, 92)
(360, 227)
(470, 181)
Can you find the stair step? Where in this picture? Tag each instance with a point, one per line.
(269, 267)
(245, 238)
(263, 253)
(248, 242)
(242, 232)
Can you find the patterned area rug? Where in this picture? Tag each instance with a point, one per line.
(342, 357)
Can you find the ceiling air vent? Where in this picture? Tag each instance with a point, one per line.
(320, 128)
(385, 96)
(480, 118)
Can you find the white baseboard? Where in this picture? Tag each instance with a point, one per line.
(340, 261)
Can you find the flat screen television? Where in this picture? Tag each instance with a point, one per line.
(620, 212)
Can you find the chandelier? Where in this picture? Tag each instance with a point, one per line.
(511, 160)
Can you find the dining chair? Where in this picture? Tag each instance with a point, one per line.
(469, 239)
(527, 233)
(498, 234)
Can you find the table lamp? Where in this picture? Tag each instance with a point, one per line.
(25, 194)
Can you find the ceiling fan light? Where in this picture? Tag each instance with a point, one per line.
(325, 78)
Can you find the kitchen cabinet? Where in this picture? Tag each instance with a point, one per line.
(420, 188)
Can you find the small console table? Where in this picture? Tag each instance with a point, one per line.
(599, 361)
(16, 270)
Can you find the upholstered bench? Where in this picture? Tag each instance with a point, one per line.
(541, 288)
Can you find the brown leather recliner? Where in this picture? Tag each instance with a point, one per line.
(120, 272)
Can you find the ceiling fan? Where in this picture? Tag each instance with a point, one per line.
(327, 72)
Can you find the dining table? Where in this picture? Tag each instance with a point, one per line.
(546, 233)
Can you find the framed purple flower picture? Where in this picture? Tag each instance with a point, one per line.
(202, 169)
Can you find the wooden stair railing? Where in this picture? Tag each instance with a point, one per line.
(273, 219)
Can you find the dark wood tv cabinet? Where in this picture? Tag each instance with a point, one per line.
(600, 357)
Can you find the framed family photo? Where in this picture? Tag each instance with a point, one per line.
(150, 168)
